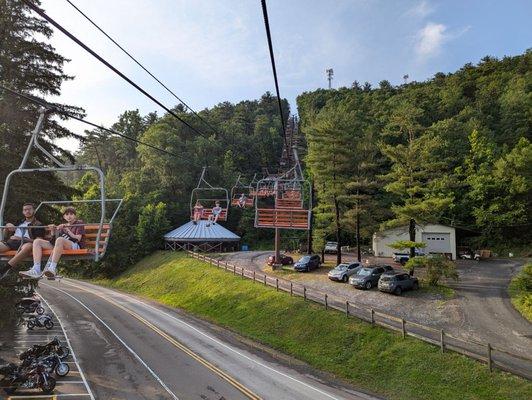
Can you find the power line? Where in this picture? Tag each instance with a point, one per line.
(272, 59)
(143, 67)
(107, 64)
(58, 109)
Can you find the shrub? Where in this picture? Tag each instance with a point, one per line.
(436, 267)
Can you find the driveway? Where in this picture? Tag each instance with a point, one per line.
(480, 309)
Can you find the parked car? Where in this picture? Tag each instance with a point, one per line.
(397, 282)
(368, 277)
(308, 263)
(331, 247)
(343, 271)
(285, 260)
(402, 258)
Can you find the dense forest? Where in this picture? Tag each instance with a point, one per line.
(454, 149)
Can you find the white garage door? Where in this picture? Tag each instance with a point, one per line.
(437, 242)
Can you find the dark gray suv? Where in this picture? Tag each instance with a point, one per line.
(368, 277)
(397, 282)
(308, 263)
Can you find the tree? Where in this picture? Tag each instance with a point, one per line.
(436, 267)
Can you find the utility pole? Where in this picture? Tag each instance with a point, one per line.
(330, 74)
(405, 77)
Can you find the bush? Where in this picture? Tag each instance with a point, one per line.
(436, 267)
(521, 292)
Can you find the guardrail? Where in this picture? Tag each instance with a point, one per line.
(493, 357)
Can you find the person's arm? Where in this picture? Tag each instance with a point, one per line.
(73, 235)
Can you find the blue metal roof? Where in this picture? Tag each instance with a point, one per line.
(201, 233)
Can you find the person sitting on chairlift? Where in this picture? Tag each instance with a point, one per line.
(242, 200)
(67, 236)
(20, 237)
(216, 211)
(197, 212)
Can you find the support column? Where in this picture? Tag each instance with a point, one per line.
(277, 262)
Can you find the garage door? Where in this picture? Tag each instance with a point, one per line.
(437, 242)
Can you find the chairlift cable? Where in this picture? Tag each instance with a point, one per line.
(144, 68)
(107, 64)
(69, 115)
(272, 58)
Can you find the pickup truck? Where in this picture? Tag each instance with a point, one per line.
(402, 258)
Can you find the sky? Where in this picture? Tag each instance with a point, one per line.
(210, 51)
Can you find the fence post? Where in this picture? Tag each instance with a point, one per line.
(234, 269)
(225, 266)
(264, 279)
(347, 308)
(326, 305)
(218, 263)
(277, 284)
(242, 269)
(442, 344)
(253, 275)
(489, 358)
(304, 293)
(403, 327)
(291, 289)
(372, 317)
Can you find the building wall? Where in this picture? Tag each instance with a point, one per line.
(381, 240)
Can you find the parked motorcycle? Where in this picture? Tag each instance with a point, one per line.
(30, 306)
(38, 350)
(40, 321)
(34, 377)
(54, 364)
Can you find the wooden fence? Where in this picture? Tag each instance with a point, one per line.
(493, 357)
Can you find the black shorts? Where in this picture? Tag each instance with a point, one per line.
(12, 244)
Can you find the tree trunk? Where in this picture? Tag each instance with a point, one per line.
(337, 223)
(311, 206)
(412, 233)
(359, 258)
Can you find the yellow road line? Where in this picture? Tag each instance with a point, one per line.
(177, 344)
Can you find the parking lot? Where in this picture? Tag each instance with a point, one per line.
(73, 386)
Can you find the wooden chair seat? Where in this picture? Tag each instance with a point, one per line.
(289, 203)
(283, 218)
(235, 201)
(91, 232)
(208, 212)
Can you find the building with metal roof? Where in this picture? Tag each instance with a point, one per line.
(203, 236)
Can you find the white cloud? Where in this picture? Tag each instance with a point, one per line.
(430, 39)
(421, 10)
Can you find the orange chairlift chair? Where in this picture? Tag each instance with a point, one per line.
(240, 189)
(208, 195)
(97, 233)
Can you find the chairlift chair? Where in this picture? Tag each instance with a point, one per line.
(240, 189)
(205, 193)
(97, 234)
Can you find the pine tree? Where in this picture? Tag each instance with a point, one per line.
(30, 66)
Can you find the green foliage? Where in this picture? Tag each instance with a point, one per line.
(350, 349)
(521, 291)
(435, 268)
(407, 244)
(151, 227)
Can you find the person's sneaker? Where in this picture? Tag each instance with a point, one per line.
(31, 273)
(50, 271)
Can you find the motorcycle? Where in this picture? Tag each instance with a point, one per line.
(54, 364)
(34, 377)
(30, 306)
(38, 350)
(40, 321)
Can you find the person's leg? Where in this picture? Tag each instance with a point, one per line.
(24, 252)
(38, 246)
(3, 247)
(61, 244)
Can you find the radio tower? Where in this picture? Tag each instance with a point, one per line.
(330, 74)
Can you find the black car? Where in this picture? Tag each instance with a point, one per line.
(397, 282)
(308, 263)
(368, 277)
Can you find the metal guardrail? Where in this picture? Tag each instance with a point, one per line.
(493, 357)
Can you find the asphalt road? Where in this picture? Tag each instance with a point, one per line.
(136, 349)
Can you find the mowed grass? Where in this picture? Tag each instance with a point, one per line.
(370, 358)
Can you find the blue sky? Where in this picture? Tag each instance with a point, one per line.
(209, 51)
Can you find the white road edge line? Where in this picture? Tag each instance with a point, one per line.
(71, 348)
(120, 340)
(131, 298)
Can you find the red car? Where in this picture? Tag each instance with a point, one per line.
(285, 260)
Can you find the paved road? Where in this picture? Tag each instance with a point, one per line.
(135, 349)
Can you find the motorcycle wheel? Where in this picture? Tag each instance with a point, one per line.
(63, 352)
(62, 369)
(48, 386)
(30, 324)
(48, 324)
(39, 310)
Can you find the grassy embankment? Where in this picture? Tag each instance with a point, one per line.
(370, 358)
(521, 291)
